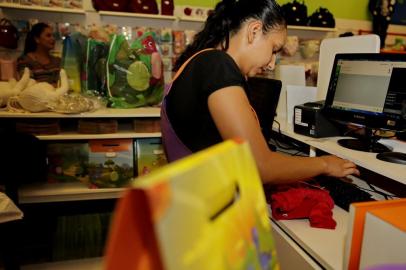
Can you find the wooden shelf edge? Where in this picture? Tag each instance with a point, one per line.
(103, 113)
(40, 8)
(137, 15)
(118, 135)
(60, 192)
(311, 28)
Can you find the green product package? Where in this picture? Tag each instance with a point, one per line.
(135, 73)
(95, 77)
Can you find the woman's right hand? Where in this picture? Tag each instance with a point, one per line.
(338, 167)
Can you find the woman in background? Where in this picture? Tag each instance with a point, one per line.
(208, 103)
(38, 45)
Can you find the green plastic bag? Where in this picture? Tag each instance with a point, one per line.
(95, 77)
(135, 73)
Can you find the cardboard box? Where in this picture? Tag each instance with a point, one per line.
(384, 240)
(67, 162)
(111, 162)
(150, 155)
(389, 210)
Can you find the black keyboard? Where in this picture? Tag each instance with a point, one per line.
(342, 192)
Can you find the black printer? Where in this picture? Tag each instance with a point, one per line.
(308, 120)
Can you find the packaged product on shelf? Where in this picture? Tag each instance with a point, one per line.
(189, 36)
(166, 35)
(111, 162)
(67, 162)
(73, 4)
(30, 2)
(147, 124)
(179, 42)
(72, 56)
(38, 126)
(95, 77)
(166, 50)
(97, 126)
(56, 3)
(46, 3)
(135, 73)
(150, 155)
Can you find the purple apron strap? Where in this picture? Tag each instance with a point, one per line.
(173, 146)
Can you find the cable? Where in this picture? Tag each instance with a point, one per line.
(385, 195)
(292, 144)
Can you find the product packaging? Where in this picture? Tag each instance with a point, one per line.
(150, 155)
(111, 162)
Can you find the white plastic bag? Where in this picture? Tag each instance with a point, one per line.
(8, 210)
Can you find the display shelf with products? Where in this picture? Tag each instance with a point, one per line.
(41, 8)
(69, 127)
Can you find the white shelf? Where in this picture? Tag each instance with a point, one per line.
(41, 8)
(191, 19)
(61, 192)
(137, 15)
(328, 253)
(104, 113)
(118, 135)
(83, 264)
(366, 160)
(310, 28)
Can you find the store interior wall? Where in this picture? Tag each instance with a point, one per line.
(344, 9)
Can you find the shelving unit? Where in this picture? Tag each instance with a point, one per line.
(41, 8)
(58, 192)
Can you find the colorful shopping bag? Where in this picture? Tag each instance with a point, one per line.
(206, 211)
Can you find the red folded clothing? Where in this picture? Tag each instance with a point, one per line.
(315, 204)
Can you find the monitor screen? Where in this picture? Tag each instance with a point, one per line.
(368, 89)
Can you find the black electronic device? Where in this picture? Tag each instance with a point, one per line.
(368, 90)
(342, 192)
(263, 94)
(308, 120)
(394, 157)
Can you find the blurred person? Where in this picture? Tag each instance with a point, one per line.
(38, 44)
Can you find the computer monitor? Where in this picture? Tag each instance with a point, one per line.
(368, 90)
(263, 94)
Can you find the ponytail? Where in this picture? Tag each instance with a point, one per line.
(227, 18)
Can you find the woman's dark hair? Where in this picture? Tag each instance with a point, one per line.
(36, 31)
(227, 18)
